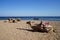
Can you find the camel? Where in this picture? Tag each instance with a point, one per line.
(41, 27)
(18, 19)
(38, 27)
(12, 20)
(8, 20)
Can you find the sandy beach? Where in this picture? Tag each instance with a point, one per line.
(22, 31)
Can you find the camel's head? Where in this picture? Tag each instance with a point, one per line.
(29, 22)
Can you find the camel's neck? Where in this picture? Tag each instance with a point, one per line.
(30, 24)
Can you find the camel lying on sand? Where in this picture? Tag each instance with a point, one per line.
(41, 27)
(33, 27)
(11, 20)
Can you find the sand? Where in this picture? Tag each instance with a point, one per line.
(22, 31)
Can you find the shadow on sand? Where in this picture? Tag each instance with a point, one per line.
(31, 30)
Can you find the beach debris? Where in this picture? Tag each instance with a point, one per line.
(43, 26)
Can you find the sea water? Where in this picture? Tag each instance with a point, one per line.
(49, 18)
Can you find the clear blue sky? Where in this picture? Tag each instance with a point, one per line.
(29, 7)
